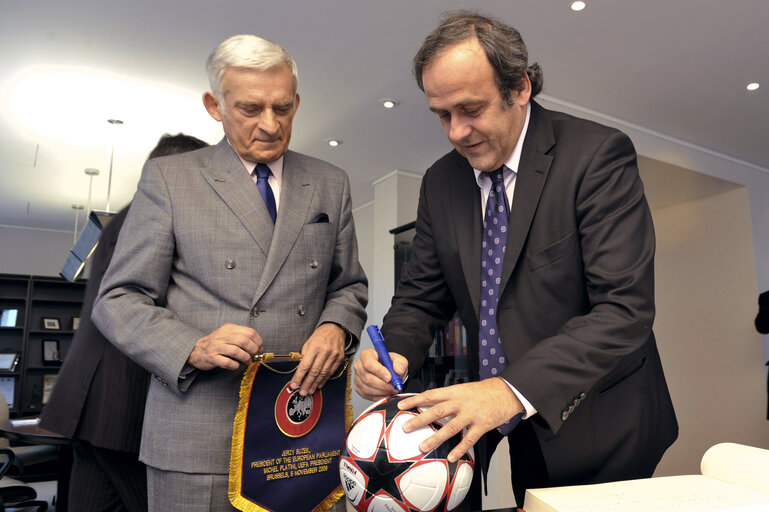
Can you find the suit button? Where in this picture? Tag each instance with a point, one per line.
(571, 409)
(564, 415)
(254, 311)
(230, 264)
(313, 264)
(300, 310)
(582, 395)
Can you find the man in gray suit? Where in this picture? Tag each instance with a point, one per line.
(202, 278)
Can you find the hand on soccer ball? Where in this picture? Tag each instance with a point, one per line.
(475, 406)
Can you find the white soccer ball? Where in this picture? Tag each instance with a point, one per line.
(383, 470)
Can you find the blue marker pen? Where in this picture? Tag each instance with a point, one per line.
(384, 356)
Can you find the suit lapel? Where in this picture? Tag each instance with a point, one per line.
(532, 174)
(227, 176)
(297, 188)
(466, 214)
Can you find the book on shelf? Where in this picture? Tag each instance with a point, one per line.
(733, 477)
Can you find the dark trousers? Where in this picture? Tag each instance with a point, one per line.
(527, 466)
(105, 480)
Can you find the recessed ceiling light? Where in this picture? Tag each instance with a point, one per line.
(333, 142)
(388, 103)
(753, 86)
(578, 6)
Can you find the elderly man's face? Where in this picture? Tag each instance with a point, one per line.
(256, 109)
(461, 89)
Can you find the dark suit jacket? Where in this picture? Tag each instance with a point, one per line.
(577, 299)
(100, 394)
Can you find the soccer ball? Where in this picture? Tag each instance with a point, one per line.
(383, 470)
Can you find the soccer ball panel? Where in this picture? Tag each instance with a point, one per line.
(461, 485)
(403, 446)
(384, 503)
(363, 439)
(353, 480)
(424, 484)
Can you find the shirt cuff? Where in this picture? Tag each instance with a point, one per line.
(528, 408)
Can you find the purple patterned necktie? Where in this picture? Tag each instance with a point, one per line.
(262, 183)
(491, 354)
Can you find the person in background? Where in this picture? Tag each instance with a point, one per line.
(536, 230)
(227, 252)
(762, 318)
(99, 397)
(762, 326)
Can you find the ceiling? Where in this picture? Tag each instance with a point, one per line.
(679, 68)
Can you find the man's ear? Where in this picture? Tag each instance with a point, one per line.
(212, 105)
(524, 93)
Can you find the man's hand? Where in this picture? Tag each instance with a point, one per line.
(372, 379)
(322, 354)
(476, 406)
(227, 347)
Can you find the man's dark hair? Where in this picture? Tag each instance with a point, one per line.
(502, 44)
(174, 144)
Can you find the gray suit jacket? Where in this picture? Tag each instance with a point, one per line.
(199, 250)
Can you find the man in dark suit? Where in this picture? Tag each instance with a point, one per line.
(579, 380)
(99, 398)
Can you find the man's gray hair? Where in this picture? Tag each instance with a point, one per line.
(503, 45)
(247, 51)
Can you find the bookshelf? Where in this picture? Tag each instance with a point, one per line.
(38, 317)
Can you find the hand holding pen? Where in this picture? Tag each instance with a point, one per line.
(384, 356)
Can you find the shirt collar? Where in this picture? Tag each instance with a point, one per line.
(276, 166)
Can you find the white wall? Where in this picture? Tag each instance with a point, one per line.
(33, 251)
(711, 352)
(703, 160)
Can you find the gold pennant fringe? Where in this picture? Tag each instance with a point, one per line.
(238, 435)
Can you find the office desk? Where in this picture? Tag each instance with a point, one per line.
(28, 431)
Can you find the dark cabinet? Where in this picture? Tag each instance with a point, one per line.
(39, 318)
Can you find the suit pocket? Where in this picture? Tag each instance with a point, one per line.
(622, 375)
(318, 229)
(554, 252)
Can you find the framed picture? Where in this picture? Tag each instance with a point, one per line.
(48, 383)
(7, 387)
(8, 317)
(51, 353)
(75, 322)
(51, 324)
(8, 361)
